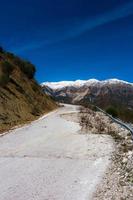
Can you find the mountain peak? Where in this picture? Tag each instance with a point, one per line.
(80, 83)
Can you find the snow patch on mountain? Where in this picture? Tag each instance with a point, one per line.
(80, 83)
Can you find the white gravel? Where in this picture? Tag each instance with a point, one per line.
(50, 160)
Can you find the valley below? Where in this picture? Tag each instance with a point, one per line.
(53, 159)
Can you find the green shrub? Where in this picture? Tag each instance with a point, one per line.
(5, 71)
(10, 55)
(28, 69)
(17, 61)
(4, 79)
(112, 111)
(25, 66)
(1, 50)
(7, 67)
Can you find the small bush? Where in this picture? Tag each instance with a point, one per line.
(25, 66)
(1, 50)
(4, 79)
(10, 55)
(28, 69)
(112, 111)
(5, 71)
(7, 67)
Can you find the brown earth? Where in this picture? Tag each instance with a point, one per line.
(21, 97)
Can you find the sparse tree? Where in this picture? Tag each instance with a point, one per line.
(112, 111)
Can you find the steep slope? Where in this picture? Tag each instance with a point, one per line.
(109, 93)
(21, 98)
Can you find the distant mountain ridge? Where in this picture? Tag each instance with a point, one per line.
(112, 92)
(80, 83)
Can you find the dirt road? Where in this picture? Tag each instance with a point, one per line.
(50, 160)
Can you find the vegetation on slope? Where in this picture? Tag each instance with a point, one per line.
(21, 98)
(114, 108)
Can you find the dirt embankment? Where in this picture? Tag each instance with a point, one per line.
(21, 98)
(118, 181)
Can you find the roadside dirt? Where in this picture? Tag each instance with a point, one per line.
(117, 183)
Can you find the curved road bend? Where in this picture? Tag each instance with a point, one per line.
(50, 160)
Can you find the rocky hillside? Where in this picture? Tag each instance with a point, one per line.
(107, 94)
(21, 98)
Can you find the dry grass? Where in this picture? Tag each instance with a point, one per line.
(97, 122)
(21, 99)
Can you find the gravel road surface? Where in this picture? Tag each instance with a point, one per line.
(50, 160)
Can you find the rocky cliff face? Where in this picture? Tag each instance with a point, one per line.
(116, 93)
(21, 98)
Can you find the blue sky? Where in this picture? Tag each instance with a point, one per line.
(71, 39)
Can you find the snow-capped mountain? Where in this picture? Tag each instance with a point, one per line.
(112, 92)
(81, 83)
(62, 84)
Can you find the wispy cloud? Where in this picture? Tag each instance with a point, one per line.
(115, 14)
(80, 27)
